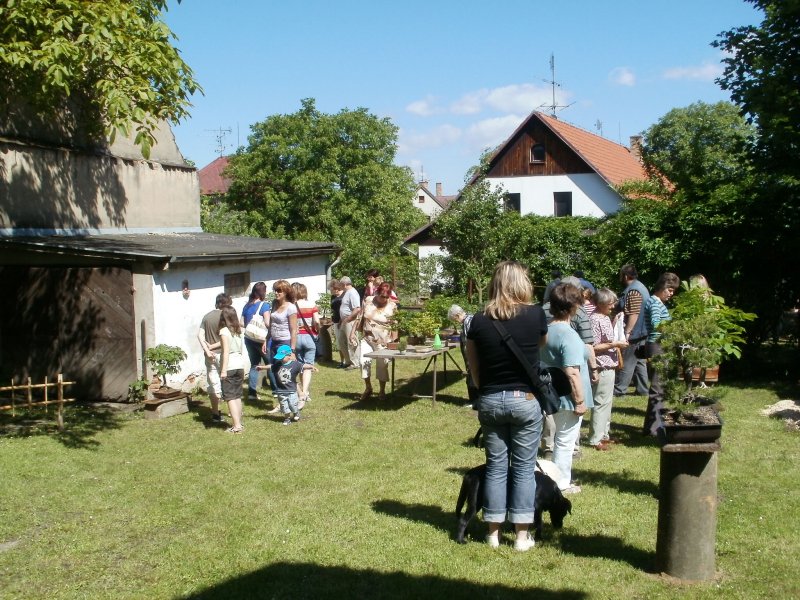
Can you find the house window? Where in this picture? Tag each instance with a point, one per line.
(537, 153)
(421, 200)
(236, 284)
(512, 202)
(562, 204)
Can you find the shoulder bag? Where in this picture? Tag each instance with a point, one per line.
(307, 327)
(256, 329)
(543, 379)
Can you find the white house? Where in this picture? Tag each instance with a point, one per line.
(102, 256)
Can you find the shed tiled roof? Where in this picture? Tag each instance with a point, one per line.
(211, 179)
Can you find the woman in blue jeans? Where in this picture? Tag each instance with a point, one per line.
(509, 414)
(256, 351)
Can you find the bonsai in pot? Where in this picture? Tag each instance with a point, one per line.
(416, 325)
(324, 305)
(702, 332)
(165, 360)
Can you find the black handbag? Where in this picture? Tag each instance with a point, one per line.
(548, 383)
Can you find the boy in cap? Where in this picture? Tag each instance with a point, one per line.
(286, 368)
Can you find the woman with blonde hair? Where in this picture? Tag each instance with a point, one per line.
(509, 414)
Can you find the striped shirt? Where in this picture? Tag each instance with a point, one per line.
(654, 312)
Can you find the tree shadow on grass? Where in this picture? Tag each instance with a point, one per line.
(307, 580)
(81, 423)
(604, 546)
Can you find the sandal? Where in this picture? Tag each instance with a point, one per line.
(239, 429)
(366, 395)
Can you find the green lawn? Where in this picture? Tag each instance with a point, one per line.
(357, 501)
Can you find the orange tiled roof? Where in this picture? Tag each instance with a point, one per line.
(613, 162)
(211, 179)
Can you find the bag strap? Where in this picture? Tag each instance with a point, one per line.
(305, 323)
(515, 349)
(258, 311)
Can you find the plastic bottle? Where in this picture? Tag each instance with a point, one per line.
(437, 341)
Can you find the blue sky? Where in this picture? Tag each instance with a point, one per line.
(456, 77)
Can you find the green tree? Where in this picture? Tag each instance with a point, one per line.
(695, 221)
(112, 63)
(761, 72)
(332, 177)
(472, 230)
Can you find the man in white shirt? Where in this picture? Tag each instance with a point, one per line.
(349, 312)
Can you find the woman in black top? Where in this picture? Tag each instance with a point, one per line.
(509, 414)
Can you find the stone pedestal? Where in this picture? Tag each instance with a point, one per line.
(687, 511)
(161, 408)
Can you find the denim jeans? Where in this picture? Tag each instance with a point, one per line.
(306, 348)
(511, 425)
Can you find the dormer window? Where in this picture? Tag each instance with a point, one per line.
(537, 153)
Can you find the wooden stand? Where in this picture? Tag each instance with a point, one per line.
(159, 408)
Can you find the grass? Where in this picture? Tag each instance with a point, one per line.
(357, 500)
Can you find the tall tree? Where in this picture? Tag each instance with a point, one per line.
(315, 176)
(762, 73)
(112, 63)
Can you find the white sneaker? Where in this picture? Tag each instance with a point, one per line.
(493, 541)
(524, 544)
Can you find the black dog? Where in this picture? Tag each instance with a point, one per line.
(548, 498)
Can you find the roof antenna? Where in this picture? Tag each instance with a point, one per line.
(552, 81)
(599, 126)
(220, 134)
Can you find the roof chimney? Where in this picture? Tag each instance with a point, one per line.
(438, 189)
(424, 183)
(636, 147)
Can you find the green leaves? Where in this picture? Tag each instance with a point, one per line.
(122, 75)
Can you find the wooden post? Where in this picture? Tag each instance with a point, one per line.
(30, 394)
(45, 394)
(13, 403)
(60, 416)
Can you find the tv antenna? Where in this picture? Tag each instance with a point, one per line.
(219, 135)
(553, 83)
(599, 126)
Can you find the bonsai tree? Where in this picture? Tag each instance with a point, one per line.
(416, 324)
(324, 305)
(703, 331)
(164, 360)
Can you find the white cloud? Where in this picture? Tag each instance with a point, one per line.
(424, 108)
(708, 71)
(434, 138)
(490, 132)
(515, 98)
(622, 76)
(470, 103)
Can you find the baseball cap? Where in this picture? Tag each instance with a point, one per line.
(282, 352)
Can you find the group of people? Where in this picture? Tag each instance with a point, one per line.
(599, 341)
(287, 351)
(362, 324)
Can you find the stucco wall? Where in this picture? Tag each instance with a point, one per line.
(177, 319)
(44, 188)
(591, 195)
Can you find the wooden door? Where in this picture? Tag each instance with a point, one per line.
(75, 321)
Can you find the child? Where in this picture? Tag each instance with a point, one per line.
(286, 369)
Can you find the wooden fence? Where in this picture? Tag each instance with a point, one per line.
(28, 400)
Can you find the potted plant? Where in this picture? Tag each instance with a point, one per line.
(703, 331)
(417, 325)
(165, 360)
(324, 305)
